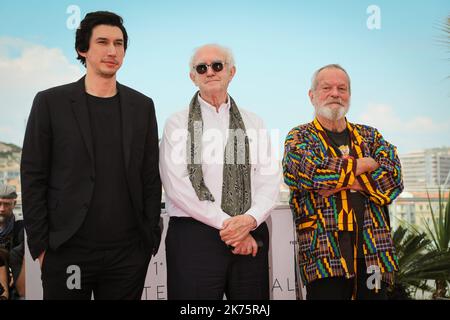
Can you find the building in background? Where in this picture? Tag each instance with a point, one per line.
(425, 173)
(415, 207)
(426, 169)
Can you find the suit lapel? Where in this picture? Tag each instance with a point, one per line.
(80, 109)
(127, 112)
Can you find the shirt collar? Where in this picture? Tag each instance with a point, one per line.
(224, 107)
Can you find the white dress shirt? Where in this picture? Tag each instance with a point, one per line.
(181, 199)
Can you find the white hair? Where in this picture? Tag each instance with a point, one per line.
(328, 66)
(229, 59)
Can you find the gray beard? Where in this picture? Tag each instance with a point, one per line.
(332, 114)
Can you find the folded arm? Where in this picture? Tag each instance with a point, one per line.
(303, 169)
(385, 183)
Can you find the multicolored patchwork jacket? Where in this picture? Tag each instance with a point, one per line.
(310, 164)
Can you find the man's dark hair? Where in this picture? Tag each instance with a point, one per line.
(90, 21)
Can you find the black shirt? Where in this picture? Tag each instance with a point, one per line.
(110, 220)
(356, 201)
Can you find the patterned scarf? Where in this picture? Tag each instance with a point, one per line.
(236, 187)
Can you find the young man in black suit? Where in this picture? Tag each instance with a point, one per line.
(91, 189)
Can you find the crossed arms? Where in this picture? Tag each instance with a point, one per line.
(377, 175)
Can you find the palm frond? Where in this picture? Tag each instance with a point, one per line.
(429, 230)
(439, 230)
(419, 261)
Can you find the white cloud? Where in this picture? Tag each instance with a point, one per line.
(407, 132)
(25, 69)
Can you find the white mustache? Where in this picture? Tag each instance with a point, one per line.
(335, 102)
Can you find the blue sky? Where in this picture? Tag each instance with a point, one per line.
(399, 72)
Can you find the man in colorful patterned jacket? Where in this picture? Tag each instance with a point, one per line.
(341, 176)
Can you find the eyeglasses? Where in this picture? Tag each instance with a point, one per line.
(203, 67)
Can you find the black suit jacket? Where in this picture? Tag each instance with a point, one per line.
(57, 166)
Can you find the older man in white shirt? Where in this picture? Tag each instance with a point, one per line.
(221, 181)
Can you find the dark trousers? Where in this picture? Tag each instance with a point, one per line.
(340, 288)
(200, 266)
(107, 274)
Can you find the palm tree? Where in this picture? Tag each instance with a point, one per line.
(438, 231)
(417, 263)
